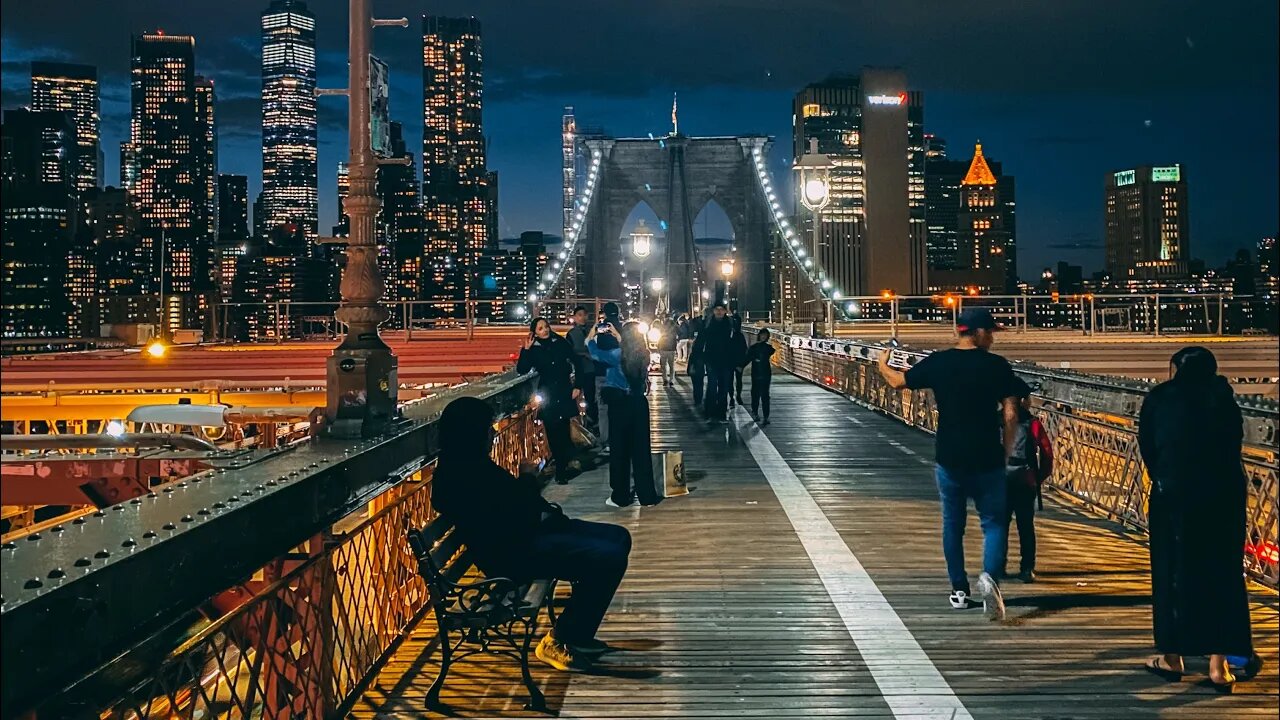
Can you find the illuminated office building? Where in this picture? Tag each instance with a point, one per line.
(289, 192)
(1148, 226)
(37, 210)
(972, 214)
(400, 220)
(871, 127)
(206, 158)
(233, 229)
(74, 89)
(169, 153)
(454, 173)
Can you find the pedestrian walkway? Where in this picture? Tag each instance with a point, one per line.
(803, 577)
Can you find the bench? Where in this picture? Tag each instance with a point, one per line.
(488, 614)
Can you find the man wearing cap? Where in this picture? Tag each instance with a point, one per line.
(977, 424)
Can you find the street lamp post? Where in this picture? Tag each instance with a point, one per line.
(361, 372)
(641, 247)
(726, 271)
(814, 171)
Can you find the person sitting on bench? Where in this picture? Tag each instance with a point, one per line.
(514, 533)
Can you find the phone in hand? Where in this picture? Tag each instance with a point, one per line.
(899, 359)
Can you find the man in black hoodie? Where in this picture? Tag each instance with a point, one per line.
(715, 346)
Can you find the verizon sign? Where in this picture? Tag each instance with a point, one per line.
(899, 99)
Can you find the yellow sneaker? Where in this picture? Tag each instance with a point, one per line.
(559, 656)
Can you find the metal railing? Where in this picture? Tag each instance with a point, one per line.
(1093, 423)
(301, 636)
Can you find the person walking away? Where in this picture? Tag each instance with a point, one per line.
(1190, 433)
(974, 391)
(667, 341)
(757, 357)
(684, 338)
(695, 367)
(739, 347)
(715, 343)
(584, 368)
(610, 313)
(552, 356)
(1029, 465)
(626, 383)
(512, 532)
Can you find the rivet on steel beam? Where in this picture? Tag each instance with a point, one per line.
(78, 521)
(102, 554)
(128, 543)
(56, 574)
(149, 534)
(188, 518)
(219, 505)
(204, 511)
(168, 489)
(118, 508)
(32, 584)
(83, 562)
(99, 514)
(56, 529)
(33, 537)
(9, 546)
(169, 526)
(136, 501)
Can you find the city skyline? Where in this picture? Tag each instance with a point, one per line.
(1059, 130)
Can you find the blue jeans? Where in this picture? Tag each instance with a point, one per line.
(989, 493)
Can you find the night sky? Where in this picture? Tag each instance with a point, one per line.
(1061, 92)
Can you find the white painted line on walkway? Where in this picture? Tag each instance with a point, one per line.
(854, 420)
(908, 680)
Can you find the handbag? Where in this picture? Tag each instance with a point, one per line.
(581, 437)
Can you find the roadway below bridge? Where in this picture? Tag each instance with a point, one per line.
(1252, 362)
(803, 578)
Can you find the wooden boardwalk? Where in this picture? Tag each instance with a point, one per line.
(727, 612)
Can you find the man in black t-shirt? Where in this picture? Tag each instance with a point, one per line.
(977, 421)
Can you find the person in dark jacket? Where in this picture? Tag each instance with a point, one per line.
(609, 313)
(513, 532)
(667, 339)
(584, 368)
(626, 383)
(761, 375)
(1190, 432)
(552, 356)
(694, 366)
(716, 346)
(739, 346)
(684, 338)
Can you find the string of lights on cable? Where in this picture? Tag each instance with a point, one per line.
(791, 240)
(555, 272)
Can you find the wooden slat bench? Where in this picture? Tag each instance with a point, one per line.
(486, 614)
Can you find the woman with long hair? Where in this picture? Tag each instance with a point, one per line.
(552, 356)
(626, 383)
(1190, 432)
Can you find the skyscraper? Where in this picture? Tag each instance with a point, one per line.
(872, 129)
(400, 220)
(37, 210)
(74, 89)
(233, 228)
(289, 192)
(1147, 222)
(942, 178)
(206, 158)
(986, 240)
(454, 172)
(168, 152)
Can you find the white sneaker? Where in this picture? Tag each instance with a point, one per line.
(613, 504)
(992, 599)
(960, 600)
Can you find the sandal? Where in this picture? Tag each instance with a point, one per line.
(1225, 688)
(1158, 667)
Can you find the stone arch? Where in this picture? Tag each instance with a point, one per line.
(677, 176)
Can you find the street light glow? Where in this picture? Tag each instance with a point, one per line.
(815, 191)
(726, 268)
(655, 284)
(157, 349)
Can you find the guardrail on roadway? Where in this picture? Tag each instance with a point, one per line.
(1093, 422)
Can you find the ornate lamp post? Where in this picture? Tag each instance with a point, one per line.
(814, 171)
(361, 372)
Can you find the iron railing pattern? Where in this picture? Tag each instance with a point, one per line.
(304, 646)
(1093, 424)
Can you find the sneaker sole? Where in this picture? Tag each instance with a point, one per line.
(992, 598)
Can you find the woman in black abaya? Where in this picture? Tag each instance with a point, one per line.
(1190, 432)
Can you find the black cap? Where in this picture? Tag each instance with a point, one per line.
(976, 319)
(611, 309)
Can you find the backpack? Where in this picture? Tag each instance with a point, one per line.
(1025, 454)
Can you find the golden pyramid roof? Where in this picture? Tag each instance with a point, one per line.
(979, 172)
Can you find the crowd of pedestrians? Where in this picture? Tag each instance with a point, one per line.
(990, 448)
